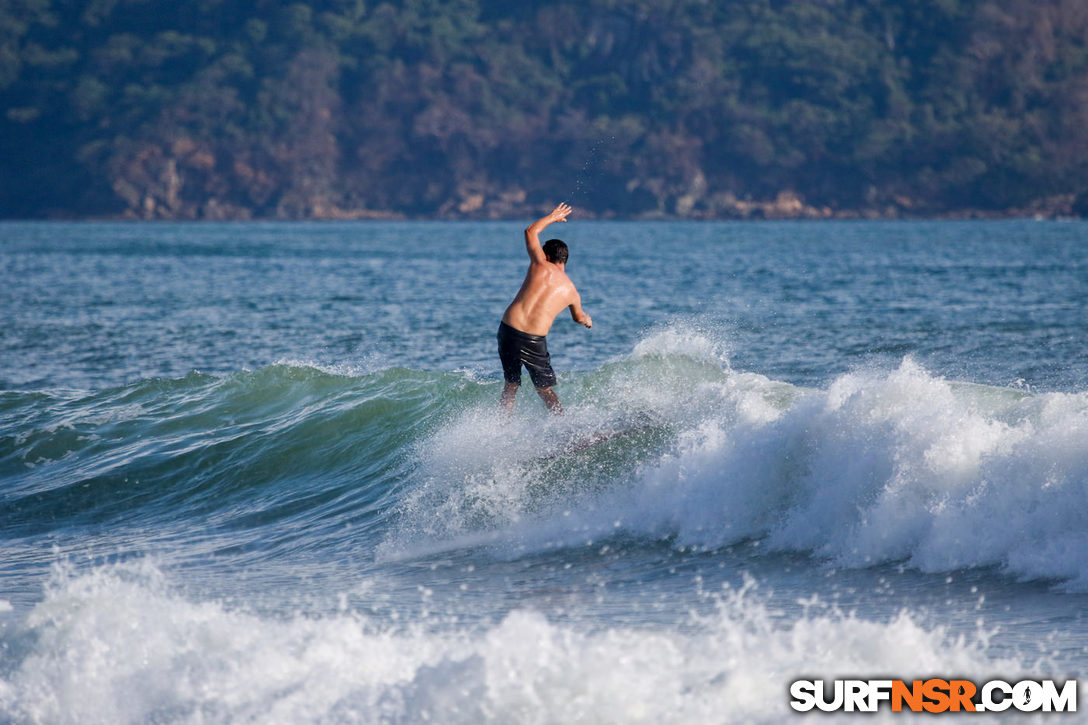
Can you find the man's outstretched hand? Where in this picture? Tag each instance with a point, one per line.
(532, 233)
(560, 213)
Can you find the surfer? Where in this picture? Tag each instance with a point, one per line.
(525, 324)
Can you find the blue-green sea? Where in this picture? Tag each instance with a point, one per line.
(257, 472)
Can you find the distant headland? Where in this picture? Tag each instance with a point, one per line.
(481, 109)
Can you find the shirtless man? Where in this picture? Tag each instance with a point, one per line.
(524, 327)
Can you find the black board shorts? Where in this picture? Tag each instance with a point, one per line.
(517, 348)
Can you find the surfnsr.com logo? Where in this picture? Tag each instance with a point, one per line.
(933, 695)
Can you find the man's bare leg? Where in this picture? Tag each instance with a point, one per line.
(507, 400)
(551, 400)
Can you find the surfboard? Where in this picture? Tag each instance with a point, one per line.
(577, 445)
(580, 443)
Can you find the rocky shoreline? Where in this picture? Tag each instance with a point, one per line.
(786, 205)
(188, 181)
(185, 181)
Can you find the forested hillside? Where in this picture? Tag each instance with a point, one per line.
(218, 109)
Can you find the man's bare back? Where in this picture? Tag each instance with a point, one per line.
(543, 295)
(547, 289)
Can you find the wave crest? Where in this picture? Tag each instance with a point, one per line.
(898, 466)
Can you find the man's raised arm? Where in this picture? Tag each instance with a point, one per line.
(532, 233)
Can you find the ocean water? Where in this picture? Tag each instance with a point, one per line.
(257, 472)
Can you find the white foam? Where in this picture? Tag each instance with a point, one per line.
(115, 646)
(895, 466)
(475, 474)
(888, 467)
(684, 340)
(482, 471)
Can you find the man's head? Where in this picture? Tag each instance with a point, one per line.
(556, 251)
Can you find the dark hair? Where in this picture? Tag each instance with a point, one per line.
(556, 251)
